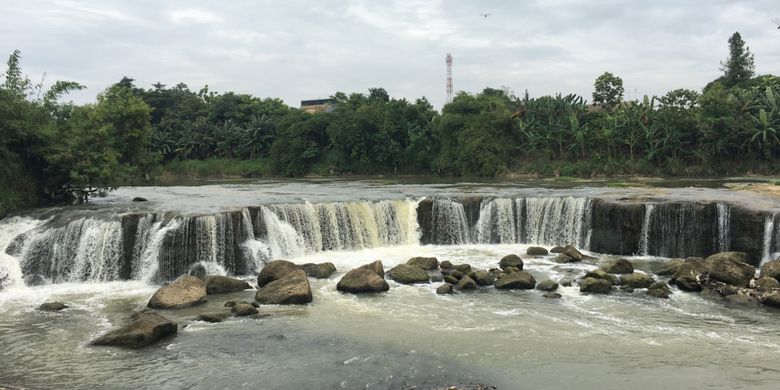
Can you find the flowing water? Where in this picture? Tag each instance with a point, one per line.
(105, 260)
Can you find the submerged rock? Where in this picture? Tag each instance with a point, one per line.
(511, 261)
(595, 286)
(362, 280)
(183, 292)
(426, 263)
(659, 290)
(198, 270)
(636, 280)
(547, 285)
(243, 309)
(521, 280)
(729, 267)
(233, 303)
(741, 300)
(319, 271)
(551, 295)
(52, 306)
(377, 267)
(276, 270)
(466, 283)
(445, 288)
(140, 199)
(292, 289)
(212, 317)
(148, 328)
(217, 284)
(408, 274)
(618, 266)
(536, 251)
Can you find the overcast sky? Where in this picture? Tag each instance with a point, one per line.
(305, 49)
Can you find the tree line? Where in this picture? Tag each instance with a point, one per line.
(54, 151)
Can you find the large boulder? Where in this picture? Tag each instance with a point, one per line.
(687, 276)
(670, 267)
(408, 274)
(536, 251)
(636, 280)
(771, 269)
(511, 261)
(362, 280)
(521, 280)
(319, 271)
(595, 286)
(618, 266)
(547, 285)
(484, 278)
(292, 289)
(216, 284)
(275, 270)
(377, 267)
(729, 267)
(183, 292)
(426, 263)
(146, 329)
(466, 283)
(659, 290)
(572, 252)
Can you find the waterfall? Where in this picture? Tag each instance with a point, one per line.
(146, 262)
(724, 227)
(12, 232)
(558, 221)
(770, 238)
(644, 236)
(449, 225)
(498, 221)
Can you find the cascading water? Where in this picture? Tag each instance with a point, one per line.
(645, 234)
(11, 274)
(724, 227)
(558, 221)
(771, 238)
(449, 225)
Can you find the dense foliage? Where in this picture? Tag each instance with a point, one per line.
(50, 151)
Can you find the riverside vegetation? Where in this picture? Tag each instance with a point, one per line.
(52, 151)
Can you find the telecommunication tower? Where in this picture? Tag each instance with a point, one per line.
(449, 77)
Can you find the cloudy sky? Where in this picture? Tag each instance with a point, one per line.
(298, 49)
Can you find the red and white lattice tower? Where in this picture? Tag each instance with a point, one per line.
(449, 77)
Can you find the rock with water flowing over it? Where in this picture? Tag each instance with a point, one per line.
(771, 269)
(618, 266)
(687, 276)
(600, 274)
(536, 251)
(766, 283)
(484, 278)
(511, 261)
(595, 286)
(408, 274)
(362, 280)
(276, 270)
(243, 310)
(146, 329)
(445, 288)
(659, 290)
(217, 284)
(551, 295)
(670, 267)
(435, 276)
(198, 270)
(521, 280)
(212, 317)
(547, 285)
(375, 266)
(636, 280)
(291, 289)
(729, 267)
(52, 306)
(183, 292)
(466, 283)
(426, 263)
(319, 271)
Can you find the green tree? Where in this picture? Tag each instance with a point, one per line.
(740, 65)
(608, 90)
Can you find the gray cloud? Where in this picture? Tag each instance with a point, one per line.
(304, 49)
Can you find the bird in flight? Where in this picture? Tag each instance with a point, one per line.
(777, 22)
(484, 15)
